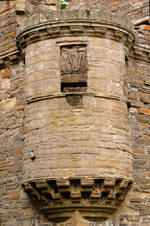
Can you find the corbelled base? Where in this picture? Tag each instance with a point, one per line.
(95, 199)
(77, 220)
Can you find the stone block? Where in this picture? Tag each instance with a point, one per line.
(21, 6)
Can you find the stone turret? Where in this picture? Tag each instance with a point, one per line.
(76, 129)
(74, 113)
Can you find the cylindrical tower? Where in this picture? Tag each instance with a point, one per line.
(76, 127)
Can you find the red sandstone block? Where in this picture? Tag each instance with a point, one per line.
(145, 111)
(147, 27)
(10, 34)
(143, 124)
(1, 11)
(139, 151)
(19, 153)
(147, 138)
(5, 168)
(15, 196)
(5, 162)
(6, 72)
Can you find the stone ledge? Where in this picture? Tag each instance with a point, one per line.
(96, 199)
(74, 15)
(140, 52)
(10, 59)
(74, 23)
(86, 93)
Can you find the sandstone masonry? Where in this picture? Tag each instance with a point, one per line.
(75, 113)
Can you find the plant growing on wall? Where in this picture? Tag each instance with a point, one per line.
(64, 4)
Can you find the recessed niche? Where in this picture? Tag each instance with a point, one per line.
(73, 72)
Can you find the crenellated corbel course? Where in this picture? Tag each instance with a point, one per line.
(77, 22)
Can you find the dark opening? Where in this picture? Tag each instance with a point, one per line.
(126, 58)
(73, 64)
(144, 22)
(128, 104)
(73, 87)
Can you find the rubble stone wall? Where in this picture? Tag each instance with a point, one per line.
(134, 9)
(8, 28)
(16, 208)
(62, 134)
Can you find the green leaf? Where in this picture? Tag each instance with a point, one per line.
(64, 4)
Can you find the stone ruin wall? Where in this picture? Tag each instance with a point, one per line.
(16, 208)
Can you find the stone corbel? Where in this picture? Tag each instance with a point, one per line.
(21, 6)
(54, 4)
(20, 11)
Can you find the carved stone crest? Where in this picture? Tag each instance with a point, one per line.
(73, 59)
(73, 65)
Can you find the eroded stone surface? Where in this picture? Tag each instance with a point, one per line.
(77, 220)
(96, 199)
(15, 206)
(135, 10)
(78, 130)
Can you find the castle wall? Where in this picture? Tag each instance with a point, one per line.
(76, 114)
(42, 6)
(88, 131)
(16, 208)
(11, 115)
(134, 9)
(8, 28)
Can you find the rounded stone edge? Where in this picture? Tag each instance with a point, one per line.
(106, 194)
(53, 17)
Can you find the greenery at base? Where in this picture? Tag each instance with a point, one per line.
(64, 4)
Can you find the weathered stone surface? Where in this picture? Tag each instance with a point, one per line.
(58, 199)
(135, 10)
(98, 16)
(21, 6)
(87, 131)
(76, 220)
(32, 6)
(64, 130)
(8, 28)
